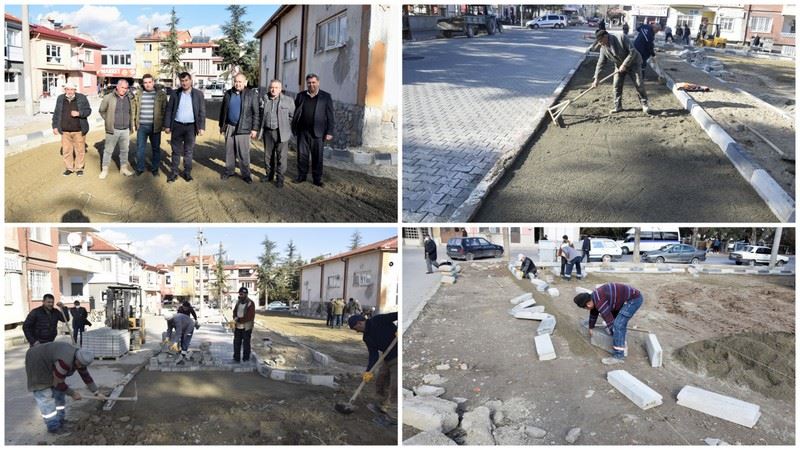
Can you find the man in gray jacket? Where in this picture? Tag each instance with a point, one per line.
(627, 61)
(69, 120)
(276, 129)
(117, 112)
(47, 367)
(238, 122)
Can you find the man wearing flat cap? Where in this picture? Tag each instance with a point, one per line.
(628, 63)
(244, 316)
(47, 367)
(70, 121)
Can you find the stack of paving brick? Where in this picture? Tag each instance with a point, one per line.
(107, 343)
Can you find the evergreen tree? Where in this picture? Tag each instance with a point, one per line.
(267, 270)
(355, 240)
(219, 284)
(240, 54)
(172, 65)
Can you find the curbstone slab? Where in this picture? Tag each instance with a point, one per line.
(636, 391)
(544, 347)
(521, 298)
(720, 406)
(653, 350)
(547, 326)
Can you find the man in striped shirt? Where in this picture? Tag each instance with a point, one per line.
(148, 106)
(47, 367)
(616, 303)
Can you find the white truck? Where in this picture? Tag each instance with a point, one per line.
(756, 254)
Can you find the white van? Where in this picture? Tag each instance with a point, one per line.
(547, 21)
(651, 238)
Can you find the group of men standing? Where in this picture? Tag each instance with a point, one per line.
(338, 312)
(245, 115)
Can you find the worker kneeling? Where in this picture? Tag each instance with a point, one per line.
(47, 367)
(380, 333)
(628, 62)
(182, 337)
(527, 267)
(616, 303)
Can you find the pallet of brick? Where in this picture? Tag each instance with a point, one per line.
(107, 343)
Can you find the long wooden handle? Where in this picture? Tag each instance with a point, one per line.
(592, 87)
(377, 364)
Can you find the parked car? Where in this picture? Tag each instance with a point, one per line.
(735, 246)
(756, 254)
(277, 306)
(214, 89)
(593, 21)
(468, 248)
(576, 20)
(678, 253)
(604, 250)
(547, 21)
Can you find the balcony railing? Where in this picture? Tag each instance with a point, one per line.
(77, 261)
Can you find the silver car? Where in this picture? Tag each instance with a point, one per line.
(676, 253)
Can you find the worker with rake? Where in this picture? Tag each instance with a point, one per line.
(627, 61)
(616, 303)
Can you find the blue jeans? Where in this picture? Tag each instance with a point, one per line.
(146, 131)
(621, 325)
(337, 320)
(576, 261)
(52, 405)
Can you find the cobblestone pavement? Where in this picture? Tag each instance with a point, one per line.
(466, 102)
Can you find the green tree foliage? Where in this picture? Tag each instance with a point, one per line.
(172, 65)
(239, 53)
(266, 276)
(355, 240)
(219, 284)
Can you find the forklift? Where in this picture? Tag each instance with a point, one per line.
(712, 39)
(124, 311)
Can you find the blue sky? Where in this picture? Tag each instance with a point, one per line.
(116, 25)
(165, 244)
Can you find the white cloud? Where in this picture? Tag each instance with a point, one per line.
(212, 31)
(114, 236)
(162, 248)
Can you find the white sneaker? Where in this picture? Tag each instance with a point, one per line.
(126, 170)
(616, 110)
(645, 109)
(103, 173)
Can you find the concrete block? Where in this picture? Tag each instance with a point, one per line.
(320, 358)
(278, 375)
(517, 274)
(541, 285)
(430, 414)
(448, 279)
(553, 292)
(429, 438)
(653, 350)
(547, 326)
(322, 380)
(600, 338)
(424, 390)
(531, 315)
(580, 290)
(521, 298)
(544, 347)
(446, 268)
(478, 427)
(636, 391)
(527, 305)
(721, 406)
(407, 393)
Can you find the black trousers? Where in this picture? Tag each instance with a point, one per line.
(182, 141)
(309, 149)
(241, 336)
(563, 265)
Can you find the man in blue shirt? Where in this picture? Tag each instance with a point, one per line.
(239, 121)
(185, 117)
(645, 42)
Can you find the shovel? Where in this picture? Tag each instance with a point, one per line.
(348, 408)
(556, 110)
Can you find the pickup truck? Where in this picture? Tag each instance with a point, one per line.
(756, 254)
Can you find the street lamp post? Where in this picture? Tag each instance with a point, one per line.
(201, 240)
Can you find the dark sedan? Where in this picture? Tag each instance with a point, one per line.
(472, 247)
(678, 253)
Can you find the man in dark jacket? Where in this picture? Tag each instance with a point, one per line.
(380, 333)
(527, 267)
(41, 325)
(80, 320)
(182, 337)
(185, 118)
(430, 254)
(276, 128)
(329, 312)
(188, 309)
(244, 315)
(586, 246)
(47, 367)
(645, 42)
(313, 124)
(239, 121)
(69, 120)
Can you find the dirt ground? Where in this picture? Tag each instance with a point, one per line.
(748, 322)
(221, 408)
(623, 167)
(347, 196)
(739, 114)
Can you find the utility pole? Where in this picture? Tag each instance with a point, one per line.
(201, 240)
(27, 77)
(776, 242)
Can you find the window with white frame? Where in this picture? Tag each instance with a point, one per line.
(188, 66)
(363, 278)
(41, 234)
(760, 24)
(222, 67)
(105, 263)
(332, 33)
(726, 24)
(49, 82)
(290, 50)
(13, 38)
(53, 53)
(205, 66)
(148, 47)
(11, 85)
(334, 281)
(88, 56)
(685, 20)
(87, 80)
(39, 283)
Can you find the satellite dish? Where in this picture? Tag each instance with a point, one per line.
(74, 239)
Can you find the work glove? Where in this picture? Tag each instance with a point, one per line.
(367, 377)
(76, 395)
(174, 347)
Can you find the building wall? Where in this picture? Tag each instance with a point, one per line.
(390, 276)
(310, 293)
(42, 257)
(776, 13)
(153, 56)
(333, 280)
(367, 294)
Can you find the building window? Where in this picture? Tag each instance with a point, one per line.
(87, 80)
(204, 49)
(76, 289)
(147, 64)
(13, 38)
(188, 66)
(362, 278)
(105, 263)
(205, 66)
(760, 24)
(88, 56)
(726, 24)
(222, 67)
(685, 20)
(53, 53)
(40, 234)
(168, 279)
(11, 83)
(492, 230)
(148, 47)
(332, 33)
(290, 50)
(334, 281)
(410, 233)
(39, 283)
